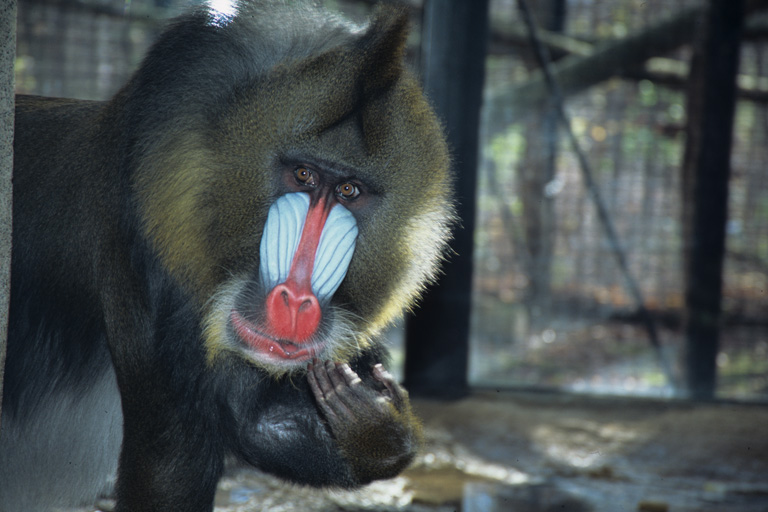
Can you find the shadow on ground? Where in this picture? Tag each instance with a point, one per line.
(550, 452)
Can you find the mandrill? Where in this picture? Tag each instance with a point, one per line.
(202, 264)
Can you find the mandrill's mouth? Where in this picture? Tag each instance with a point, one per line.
(270, 346)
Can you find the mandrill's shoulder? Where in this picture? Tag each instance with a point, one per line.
(30, 110)
(49, 126)
(66, 183)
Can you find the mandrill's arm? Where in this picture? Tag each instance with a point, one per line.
(341, 430)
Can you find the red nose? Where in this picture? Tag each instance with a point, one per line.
(293, 313)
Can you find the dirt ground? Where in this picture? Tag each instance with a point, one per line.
(533, 452)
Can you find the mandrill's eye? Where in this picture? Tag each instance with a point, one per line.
(347, 191)
(305, 176)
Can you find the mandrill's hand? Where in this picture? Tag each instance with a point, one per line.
(342, 395)
(375, 428)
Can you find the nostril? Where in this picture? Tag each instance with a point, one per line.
(293, 313)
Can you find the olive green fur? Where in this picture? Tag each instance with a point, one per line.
(137, 225)
(206, 185)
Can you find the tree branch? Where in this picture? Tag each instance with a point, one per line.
(583, 68)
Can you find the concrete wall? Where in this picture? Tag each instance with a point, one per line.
(7, 57)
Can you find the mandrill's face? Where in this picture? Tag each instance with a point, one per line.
(322, 204)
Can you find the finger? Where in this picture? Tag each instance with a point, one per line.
(386, 378)
(350, 376)
(381, 374)
(334, 387)
(323, 380)
(336, 376)
(313, 384)
(320, 396)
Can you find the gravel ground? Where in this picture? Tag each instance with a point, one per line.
(537, 452)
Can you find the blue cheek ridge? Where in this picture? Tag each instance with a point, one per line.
(280, 239)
